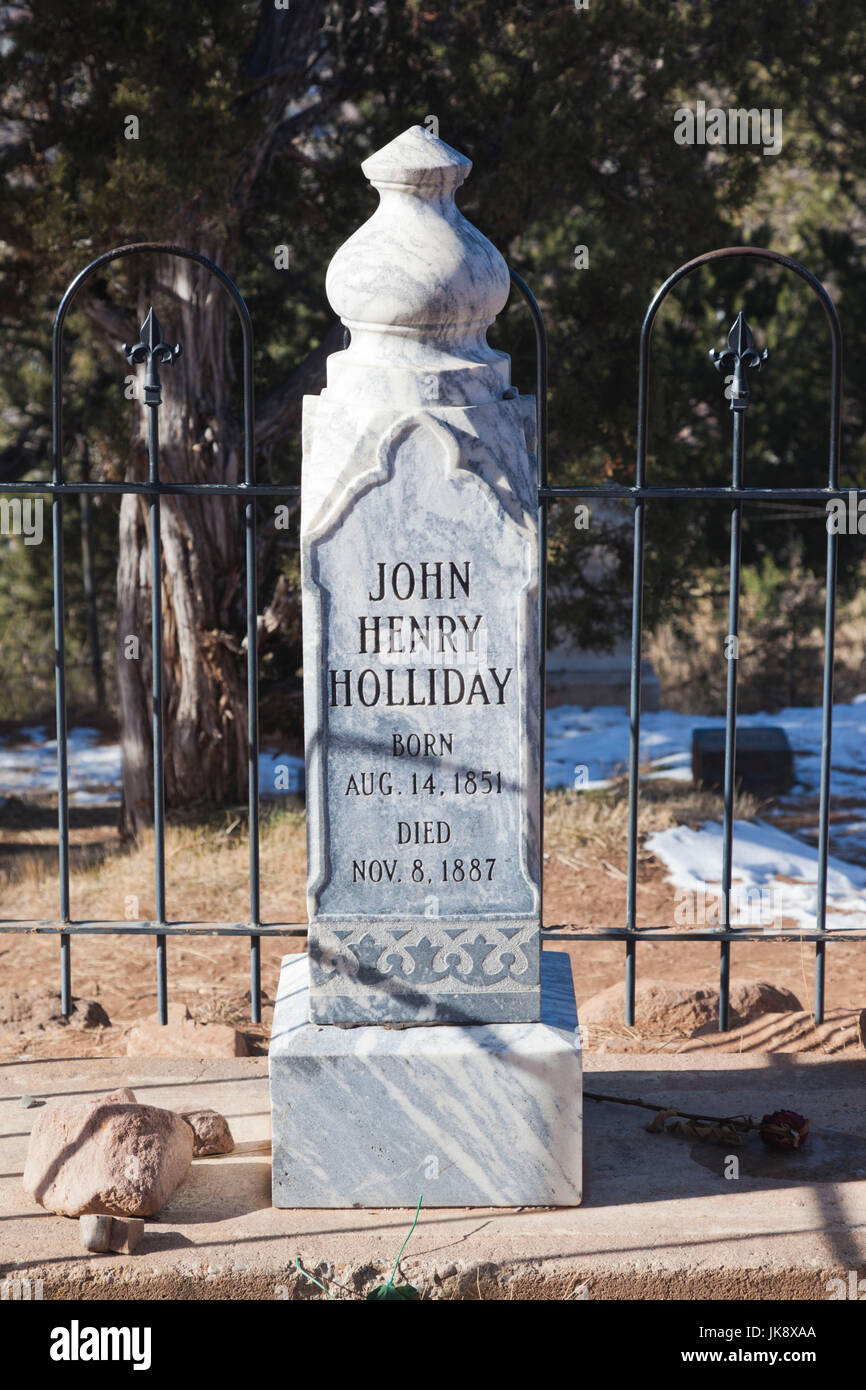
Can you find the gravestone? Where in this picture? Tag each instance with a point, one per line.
(765, 762)
(419, 553)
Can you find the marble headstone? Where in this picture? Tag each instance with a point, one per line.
(420, 605)
(419, 1046)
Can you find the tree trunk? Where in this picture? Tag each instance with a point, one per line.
(202, 568)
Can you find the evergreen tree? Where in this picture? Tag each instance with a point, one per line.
(237, 130)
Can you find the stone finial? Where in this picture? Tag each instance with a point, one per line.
(417, 158)
(418, 286)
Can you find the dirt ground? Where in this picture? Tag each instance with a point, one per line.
(207, 878)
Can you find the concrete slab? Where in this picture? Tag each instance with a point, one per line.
(660, 1218)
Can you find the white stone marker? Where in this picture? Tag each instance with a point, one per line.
(419, 552)
(420, 563)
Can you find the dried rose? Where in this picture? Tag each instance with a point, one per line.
(784, 1129)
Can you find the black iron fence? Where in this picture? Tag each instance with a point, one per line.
(738, 359)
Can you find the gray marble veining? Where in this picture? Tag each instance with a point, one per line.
(487, 1114)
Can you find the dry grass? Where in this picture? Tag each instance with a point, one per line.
(207, 871)
(207, 864)
(597, 822)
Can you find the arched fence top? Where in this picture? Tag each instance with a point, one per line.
(163, 249)
(758, 253)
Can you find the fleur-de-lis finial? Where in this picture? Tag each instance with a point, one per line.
(151, 349)
(737, 356)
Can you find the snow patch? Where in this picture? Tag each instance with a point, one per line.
(767, 860)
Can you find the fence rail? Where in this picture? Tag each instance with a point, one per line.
(742, 357)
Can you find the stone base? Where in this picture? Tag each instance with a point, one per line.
(481, 1115)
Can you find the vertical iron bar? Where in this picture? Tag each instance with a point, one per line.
(819, 981)
(60, 670)
(634, 751)
(89, 580)
(161, 978)
(62, 756)
(826, 745)
(156, 658)
(252, 693)
(541, 454)
(630, 971)
(542, 692)
(635, 710)
(635, 675)
(826, 735)
(724, 984)
(151, 349)
(255, 979)
(731, 716)
(65, 975)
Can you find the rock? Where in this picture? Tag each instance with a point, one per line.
(88, 1013)
(183, 1037)
(671, 1010)
(211, 1130)
(101, 1233)
(177, 1012)
(95, 1231)
(29, 1102)
(110, 1156)
(28, 1009)
(751, 1001)
(661, 1010)
(125, 1234)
